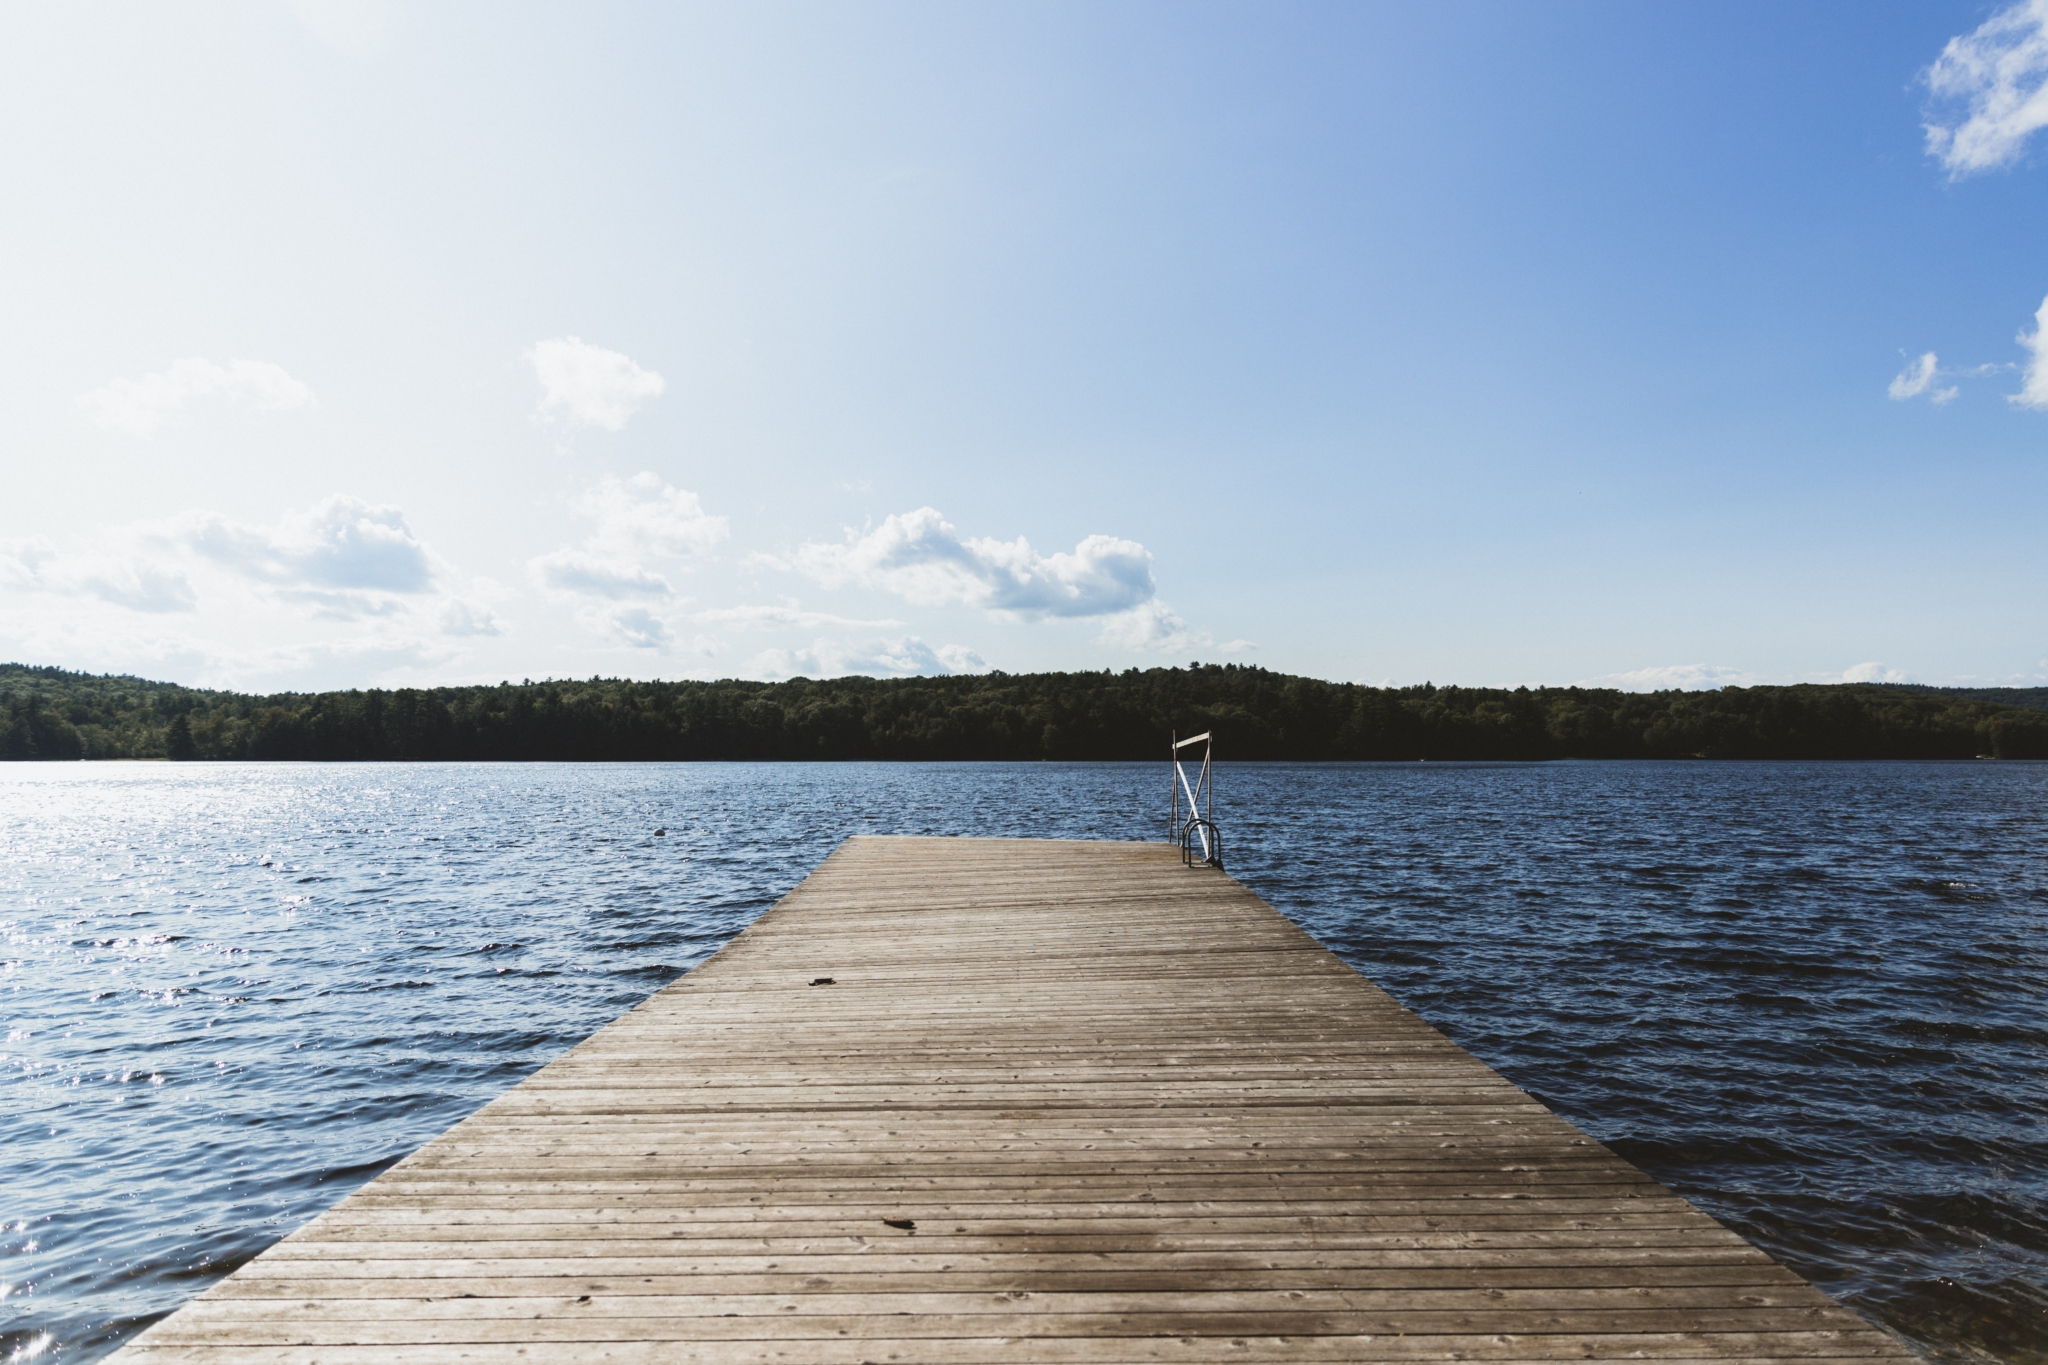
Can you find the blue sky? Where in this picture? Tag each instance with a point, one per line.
(357, 344)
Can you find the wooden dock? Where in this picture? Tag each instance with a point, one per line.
(1063, 1101)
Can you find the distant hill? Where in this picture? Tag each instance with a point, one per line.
(50, 713)
(2035, 697)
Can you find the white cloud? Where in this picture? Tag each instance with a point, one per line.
(140, 586)
(636, 519)
(642, 626)
(1868, 672)
(579, 572)
(459, 617)
(140, 407)
(1917, 378)
(1687, 677)
(22, 561)
(212, 601)
(343, 558)
(643, 515)
(342, 545)
(788, 615)
(348, 661)
(1999, 75)
(1152, 625)
(2034, 376)
(111, 569)
(906, 657)
(920, 557)
(639, 627)
(589, 384)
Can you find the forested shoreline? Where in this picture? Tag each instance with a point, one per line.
(50, 713)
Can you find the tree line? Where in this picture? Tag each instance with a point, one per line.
(49, 713)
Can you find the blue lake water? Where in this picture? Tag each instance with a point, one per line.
(1813, 998)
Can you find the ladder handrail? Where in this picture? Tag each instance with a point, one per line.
(1201, 793)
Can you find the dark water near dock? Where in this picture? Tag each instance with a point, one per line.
(1811, 997)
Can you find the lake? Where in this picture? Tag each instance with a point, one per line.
(1811, 997)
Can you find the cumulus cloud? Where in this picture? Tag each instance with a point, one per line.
(142, 406)
(1996, 80)
(342, 545)
(1684, 677)
(1919, 377)
(2034, 374)
(920, 557)
(905, 657)
(219, 602)
(635, 519)
(1153, 625)
(588, 384)
(643, 515)
(1867, 672)
(344, 558)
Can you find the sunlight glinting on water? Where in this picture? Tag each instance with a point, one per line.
(1809, 997)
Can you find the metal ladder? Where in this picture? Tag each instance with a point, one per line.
(1199, 823)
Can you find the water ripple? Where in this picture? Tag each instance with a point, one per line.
(1813, 998)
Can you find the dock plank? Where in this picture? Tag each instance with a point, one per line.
(1133, 1113)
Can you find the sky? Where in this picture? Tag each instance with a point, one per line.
(1641, 345)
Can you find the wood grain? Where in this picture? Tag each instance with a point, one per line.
(1131, 1113)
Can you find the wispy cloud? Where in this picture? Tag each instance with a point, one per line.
(639, 627)
(581, 572)
(1996, 80)
(787, 615)
(140, 586)
(142, 406)
(460, 617)
(645, 516)
(1919, 377)
(643, 626)
(905, 657)
(334, 662)
(1926, 377)
(588, 384)
(636, 519)
(1686, 677)
(111, 570)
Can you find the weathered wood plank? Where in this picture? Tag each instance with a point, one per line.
(1133, 1114)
